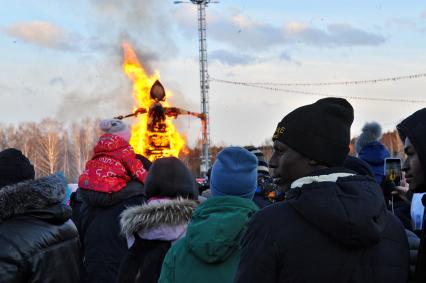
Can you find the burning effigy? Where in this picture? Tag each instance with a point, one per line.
(154, 134)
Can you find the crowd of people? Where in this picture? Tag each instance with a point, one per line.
(312, 213)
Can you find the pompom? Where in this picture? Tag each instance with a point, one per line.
(373, 129)
(105, 125)
(370, 132)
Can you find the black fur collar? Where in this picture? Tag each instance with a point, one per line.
(29, 195)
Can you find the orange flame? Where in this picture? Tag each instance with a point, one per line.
(151, 144)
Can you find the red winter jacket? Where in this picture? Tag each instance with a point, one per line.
(109, 169)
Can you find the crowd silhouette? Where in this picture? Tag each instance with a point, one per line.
(312, 213)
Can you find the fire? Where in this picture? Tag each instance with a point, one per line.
(156, 141)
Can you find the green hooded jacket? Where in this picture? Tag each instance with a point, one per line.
(210, 251)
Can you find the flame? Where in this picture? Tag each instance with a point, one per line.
(152, 144)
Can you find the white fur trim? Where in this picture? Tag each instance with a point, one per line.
(162, 233)
(318, 179)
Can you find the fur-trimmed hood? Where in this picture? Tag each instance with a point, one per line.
(30, 195)
(154, 214)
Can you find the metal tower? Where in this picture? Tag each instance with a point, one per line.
(204, 85)
(204, 81)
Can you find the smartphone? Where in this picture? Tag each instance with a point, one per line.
(393, 170)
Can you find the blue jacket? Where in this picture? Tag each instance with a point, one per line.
(374, 154)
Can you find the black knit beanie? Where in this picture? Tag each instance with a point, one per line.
(14, 167)
(319, 131)
(169, 177)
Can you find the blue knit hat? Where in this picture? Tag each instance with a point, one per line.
(234, 173)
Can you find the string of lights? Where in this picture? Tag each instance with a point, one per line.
(309, 93)
(356, 82)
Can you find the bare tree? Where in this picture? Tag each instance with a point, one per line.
(11, 136)
(28, 135)
(84, 137)
(49, 147)
(3, 138)
(67, 160)
(24, 137)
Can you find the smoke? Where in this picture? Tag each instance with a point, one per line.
(146, 55)
(131, 13)
(104, 103)
(147, 25)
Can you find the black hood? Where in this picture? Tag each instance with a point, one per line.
(349, 208)
(40, 198)
(414, 127)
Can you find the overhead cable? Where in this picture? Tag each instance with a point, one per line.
(354, 82)
(401, 100)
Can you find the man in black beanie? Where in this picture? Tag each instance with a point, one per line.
(38, 240)
(333, 225)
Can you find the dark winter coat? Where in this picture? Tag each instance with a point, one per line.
(395, 204)
(414, 127)
(210, 250)
(151, 229)
(38, 241)
(260, 200)
(374, 154)
(401, 209)
(103, 245)
(413, 243)
(332, 227)
(420, 276)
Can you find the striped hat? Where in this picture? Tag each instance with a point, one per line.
(262, 165)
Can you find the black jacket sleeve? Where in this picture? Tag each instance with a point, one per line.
(11, 269)
(258, 261)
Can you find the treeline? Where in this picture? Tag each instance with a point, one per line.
(52, 146)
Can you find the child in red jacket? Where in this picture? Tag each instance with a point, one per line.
(114, 162)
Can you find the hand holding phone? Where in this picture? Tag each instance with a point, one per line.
(402, 189)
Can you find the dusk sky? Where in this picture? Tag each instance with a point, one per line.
(62, 59)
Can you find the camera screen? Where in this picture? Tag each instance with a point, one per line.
(393, 170)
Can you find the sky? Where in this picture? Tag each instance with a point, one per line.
(63, 59)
